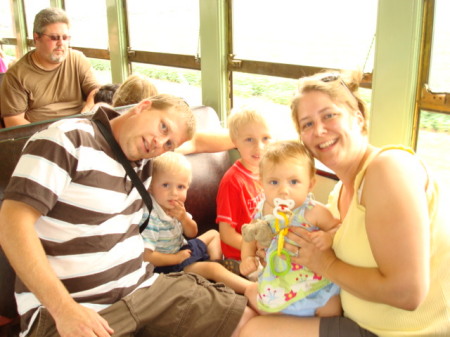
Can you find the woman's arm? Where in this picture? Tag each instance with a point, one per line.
(398, 230)
(216, 141)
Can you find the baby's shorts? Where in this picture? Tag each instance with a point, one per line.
(199, 252)
(307, 306)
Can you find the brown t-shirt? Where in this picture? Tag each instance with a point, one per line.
(46, 94)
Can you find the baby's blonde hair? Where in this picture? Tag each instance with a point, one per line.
(242, 116)
(171, 162)
(282, 151)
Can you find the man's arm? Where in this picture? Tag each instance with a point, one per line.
(216, 141)
(15, 120)
(23, 248)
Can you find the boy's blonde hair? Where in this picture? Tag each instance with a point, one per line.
(171, 162)
(281, 151)
(242, 116)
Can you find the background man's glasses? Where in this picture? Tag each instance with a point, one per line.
(58, 37)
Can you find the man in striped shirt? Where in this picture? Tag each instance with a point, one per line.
(69, 226)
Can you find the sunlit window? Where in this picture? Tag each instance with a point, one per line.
(299, 33)
(6, 22)
(434, 145)
(322, 33)
(6, 29)
(170, 26)
(89, 26)
(180, 82)
(32, 7)
(434, 132)
(440, 51)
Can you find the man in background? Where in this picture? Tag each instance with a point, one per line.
(50, 81)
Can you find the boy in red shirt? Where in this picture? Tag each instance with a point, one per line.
(240, 189)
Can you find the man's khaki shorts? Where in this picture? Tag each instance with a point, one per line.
(176, 305)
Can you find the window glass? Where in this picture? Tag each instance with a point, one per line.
(434, 130)
(180, 82)
(102, 70)
(170, 26)
(270, 95)
(273, 95)
(32, 7)
(433, 145)
(89, 26)
(6, 22)
(323, 33)
(7, 31)
(440, 50)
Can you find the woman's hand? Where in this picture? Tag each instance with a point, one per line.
(309, 255)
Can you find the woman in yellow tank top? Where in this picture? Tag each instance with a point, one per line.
(391, 254)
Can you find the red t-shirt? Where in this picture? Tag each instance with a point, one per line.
(239, 193)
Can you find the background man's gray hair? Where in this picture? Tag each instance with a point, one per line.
(48, 16)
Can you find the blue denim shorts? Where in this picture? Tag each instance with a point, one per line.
(198, 253)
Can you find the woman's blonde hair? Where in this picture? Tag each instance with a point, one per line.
(341, 87)
(136, 88)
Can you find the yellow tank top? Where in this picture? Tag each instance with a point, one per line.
(351, 245)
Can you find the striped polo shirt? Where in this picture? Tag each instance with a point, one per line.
(163, 233)
(90, 214)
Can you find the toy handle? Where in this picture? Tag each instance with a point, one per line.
(272, 258)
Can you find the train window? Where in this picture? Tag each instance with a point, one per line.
(433, 145)
(434, 129)
(440, 51)
(6, 28)
(89, 26)
(304, 33)
(181, 82)
(6, 19)
(271, 95)
(32, 7)
(170, 26)
(102, 70)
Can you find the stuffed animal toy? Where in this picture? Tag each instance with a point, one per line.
(258, 230)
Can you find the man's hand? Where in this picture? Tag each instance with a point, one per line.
(78, 321)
